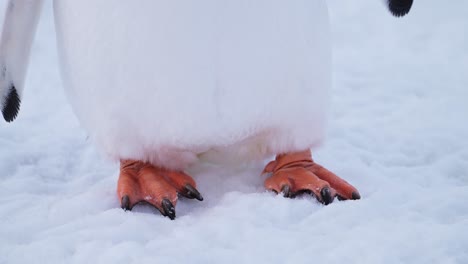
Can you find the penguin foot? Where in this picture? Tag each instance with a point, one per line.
(143, 182)
(296, 173)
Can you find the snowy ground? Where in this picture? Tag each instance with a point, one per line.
(398, 131)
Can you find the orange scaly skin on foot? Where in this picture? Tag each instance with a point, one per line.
(143, 182)
(294, 173)
(291, 173)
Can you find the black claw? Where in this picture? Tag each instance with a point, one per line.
(125, 203)
(192, 193)
(286, 190)
(355, 196)
(168, 209)
(399, 8)
(326, 196)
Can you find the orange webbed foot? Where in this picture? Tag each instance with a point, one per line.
(295, 173)
(143, 182)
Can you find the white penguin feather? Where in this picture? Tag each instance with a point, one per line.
(171, 82)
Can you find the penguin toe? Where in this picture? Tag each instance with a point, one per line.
(125, 203)
(143, 182)
(168, 209)
(297, 173)
(192, 193)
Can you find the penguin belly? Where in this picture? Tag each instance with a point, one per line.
(173, 82)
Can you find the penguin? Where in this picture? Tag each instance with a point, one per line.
(160, 85)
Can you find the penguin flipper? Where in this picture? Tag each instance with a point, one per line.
(19, 27)
(399, 8)
(11, 104)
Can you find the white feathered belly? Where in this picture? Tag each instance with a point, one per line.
(173, 81)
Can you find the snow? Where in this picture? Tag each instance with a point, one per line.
(397, 132)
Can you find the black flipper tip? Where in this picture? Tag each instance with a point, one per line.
(12, 105)
(399, 8)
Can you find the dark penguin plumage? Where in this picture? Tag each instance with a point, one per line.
(12, 104)
(399, 8)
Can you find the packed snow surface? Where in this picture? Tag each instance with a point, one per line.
(398, 131)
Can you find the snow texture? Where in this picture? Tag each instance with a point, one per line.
(397, 132)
